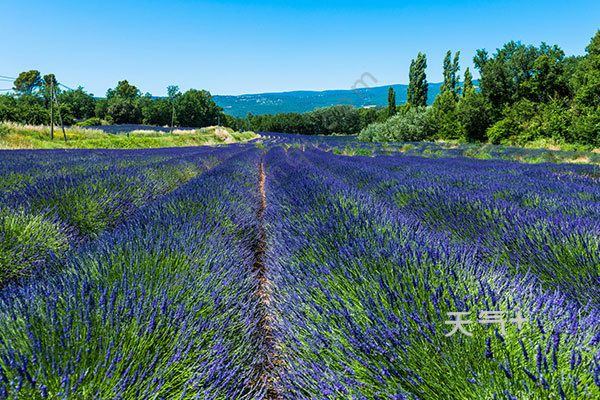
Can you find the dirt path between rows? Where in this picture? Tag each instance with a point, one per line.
(271, 358)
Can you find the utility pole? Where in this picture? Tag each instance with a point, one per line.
(173, 116)
(61, 120)
(52, 109)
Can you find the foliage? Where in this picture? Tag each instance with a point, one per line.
(391, 102)
(343, 119)
(413, 125)
(124, 90)
(197, 108)
(15, 136)
(28, 82)
(472, 113)
(122, 111)
(417, 87)
(467, 83)
(82, 104)
(94, 121)
(444, 114)
(525, 94)
(451, 77)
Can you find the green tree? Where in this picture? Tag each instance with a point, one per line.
(451, 77)
(391, 102)
(468, 82)
(444, 114)
(588, 75)
(31, 110)
(455, 76)
(154, 111)
(173, 94)
(124, 90)
(548, 81)
(196, 108)
(82, 104)
(8, 108)
(503, 76)
(101, 108)
(123, 111)
(473, 115)
(418, 86)
(521, 123)
(28, 82)
(48, 83)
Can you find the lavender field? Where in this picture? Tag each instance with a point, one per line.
(283, 271)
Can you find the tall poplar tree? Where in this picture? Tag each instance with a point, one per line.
(468, 83)
(455, 76)
(447, 72)
(418, 86)
(451, 78)
(391, 102)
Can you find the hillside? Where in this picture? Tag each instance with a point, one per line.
(303, 101)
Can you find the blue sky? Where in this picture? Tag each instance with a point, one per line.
(235, 47)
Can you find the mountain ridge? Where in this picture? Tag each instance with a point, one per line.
(307, 100)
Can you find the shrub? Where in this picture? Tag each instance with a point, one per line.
(416, 125)
(368, 133)
(521, 124)
(413, 126)
(94, 121)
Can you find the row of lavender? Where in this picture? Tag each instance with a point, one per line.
(52, 200)
(162, 307)
(351, 145)
(367, 258)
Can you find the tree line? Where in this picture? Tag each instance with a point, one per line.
(339, 119)
(123, 104)
(524, 94)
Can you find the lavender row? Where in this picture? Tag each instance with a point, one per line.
(163, 307)
(53, 213)
(362, 289)
(539, 218)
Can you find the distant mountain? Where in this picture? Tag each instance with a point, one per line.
(302, 101)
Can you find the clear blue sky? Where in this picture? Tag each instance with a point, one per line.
(234, 47)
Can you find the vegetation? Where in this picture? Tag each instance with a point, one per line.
(417, 86)
(16, 136)
(525, 94)
(340, 119)
(123, 105)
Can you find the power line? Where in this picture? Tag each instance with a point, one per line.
(65, 86)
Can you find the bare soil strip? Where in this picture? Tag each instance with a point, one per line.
(271, 358)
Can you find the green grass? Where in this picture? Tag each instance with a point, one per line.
(14, 136)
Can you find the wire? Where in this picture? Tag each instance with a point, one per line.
(64, 86)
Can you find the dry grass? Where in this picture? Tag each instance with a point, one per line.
(46, 129)
(19, 136)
